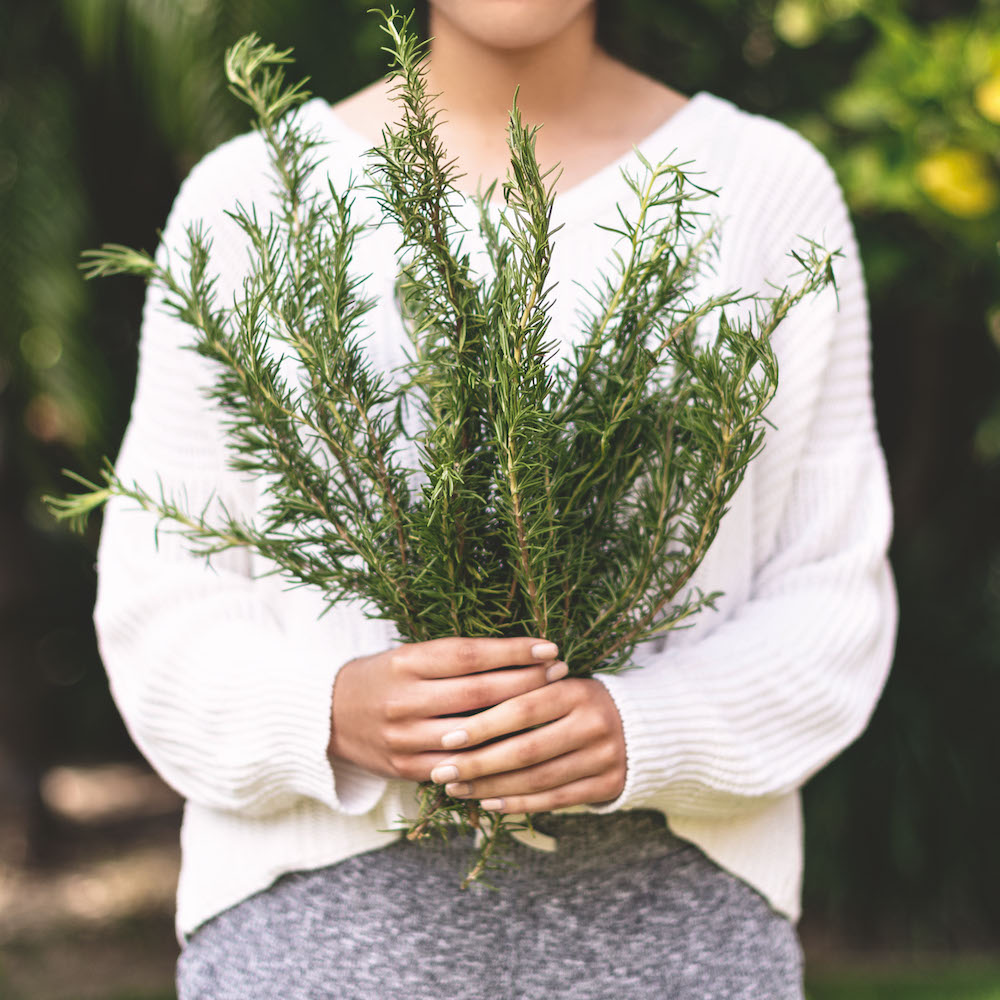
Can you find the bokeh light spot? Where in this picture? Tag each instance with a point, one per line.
(960, 181)
(41, 347)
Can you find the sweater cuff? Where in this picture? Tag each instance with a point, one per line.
(338, 783)
(358, 790)
(286, 712)
(641, 750)
(287, 717)
(665, 728)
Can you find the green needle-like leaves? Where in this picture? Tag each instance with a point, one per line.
(570, 500)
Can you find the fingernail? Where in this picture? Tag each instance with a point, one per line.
(457, 788)
(443, 773)
(556, 671)
(458, 738)
(492, 805)
(544, 650)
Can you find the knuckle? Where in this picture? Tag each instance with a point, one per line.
(537, 782)
(465, 653)
(567, 693)
(560, 797)
(394, 738)
(607, 755)
(401, 659)
(523, 713)
(612, 785)
(395, 710)
(592, 726)
(530, 748)
(402, 764)
(478, 691)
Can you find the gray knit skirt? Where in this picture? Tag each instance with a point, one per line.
(621, 910)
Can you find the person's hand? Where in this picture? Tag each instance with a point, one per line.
(387, 708)
(568, 749)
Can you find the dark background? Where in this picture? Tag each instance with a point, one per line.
(104, 107)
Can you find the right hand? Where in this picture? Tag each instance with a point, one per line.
(391, 709)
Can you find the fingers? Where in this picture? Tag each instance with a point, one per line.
(594, 789)
(514, 753)
(388, 709)
(455, 695)
(423, 733)
(514, 715)
(510, 715)
(573, 751)
(414, 766)
(412, 727)
(455, 656)
(549, 774)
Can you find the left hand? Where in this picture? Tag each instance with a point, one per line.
(573, 751)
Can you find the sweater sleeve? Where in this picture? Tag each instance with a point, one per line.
(760, 697)
(226, 689)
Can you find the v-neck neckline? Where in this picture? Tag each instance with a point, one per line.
(650, 146)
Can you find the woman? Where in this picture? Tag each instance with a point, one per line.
(296, 740)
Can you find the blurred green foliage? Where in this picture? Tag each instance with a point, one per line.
(105, 105)
(972, 981)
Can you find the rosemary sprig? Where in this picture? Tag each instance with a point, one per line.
(572, 500)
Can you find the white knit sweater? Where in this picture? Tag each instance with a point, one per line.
(224, 678)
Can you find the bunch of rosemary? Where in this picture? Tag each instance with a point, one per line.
(569, 500)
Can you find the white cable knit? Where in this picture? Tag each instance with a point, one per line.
(225, 680)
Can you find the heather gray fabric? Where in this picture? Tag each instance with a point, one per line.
(621, 910)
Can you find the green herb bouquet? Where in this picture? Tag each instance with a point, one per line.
(571, 500)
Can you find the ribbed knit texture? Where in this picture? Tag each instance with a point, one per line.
(225, 680)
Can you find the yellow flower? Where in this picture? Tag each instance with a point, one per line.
(960, 181)
(798, 22)
(987, 98)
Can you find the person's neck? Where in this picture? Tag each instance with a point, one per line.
(476, 82)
